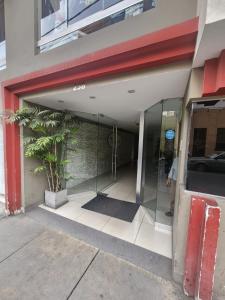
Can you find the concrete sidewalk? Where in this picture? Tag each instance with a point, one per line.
(39, 263)
(2, 209)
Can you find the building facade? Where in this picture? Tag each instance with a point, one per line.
(148, 86)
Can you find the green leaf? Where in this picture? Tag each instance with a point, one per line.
(68, 176)
(65, 162)
(50, 157)
(39, 169)
(28, 140)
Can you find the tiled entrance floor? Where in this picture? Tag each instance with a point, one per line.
(141, 231)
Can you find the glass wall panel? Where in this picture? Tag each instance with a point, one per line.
(168, 160)
(83, 156)
(114, 18)
(2, 36)
(92, 158)
(79, 10)
(53, 16)
(58, 15)
(161, 137)
(108, 3)
(106, 152)
(152, 134)
(206, 155)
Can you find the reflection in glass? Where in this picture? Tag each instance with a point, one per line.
(114, 18)
(206, 157)
(2, 36)
(54, 16)
(83, 161)
(58, 15)
(81, 9)
(91, 158)
(105, 152)
(160, 159)
(168, 160)
(152, 132)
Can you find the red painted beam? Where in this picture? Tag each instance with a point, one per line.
(169, 38)
(201, 247)
(118, 67)
(214, 76)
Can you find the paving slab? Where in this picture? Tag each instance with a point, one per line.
(46, 268)
(2, 210)
(15, 232)
(150, 261)
(111, 278)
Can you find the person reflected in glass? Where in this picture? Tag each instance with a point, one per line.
(171, 182)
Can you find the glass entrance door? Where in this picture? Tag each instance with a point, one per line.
(106, 152)
(161, 138)
(152, 132)
(93, 159)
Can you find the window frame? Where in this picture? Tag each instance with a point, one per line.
(217, 147)
(76, 27)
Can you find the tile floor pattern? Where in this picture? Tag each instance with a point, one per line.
(141, 231)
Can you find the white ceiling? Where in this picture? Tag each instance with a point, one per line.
(112, 97)
(211, 43)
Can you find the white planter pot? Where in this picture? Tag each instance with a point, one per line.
(55, 200)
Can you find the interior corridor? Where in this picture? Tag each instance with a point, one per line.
(125, 186)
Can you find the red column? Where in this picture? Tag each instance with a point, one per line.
(12, 155)
(201, 248)
(207, 255)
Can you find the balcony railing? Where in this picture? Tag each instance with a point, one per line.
(66, 20)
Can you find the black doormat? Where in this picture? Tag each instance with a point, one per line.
(119, 209)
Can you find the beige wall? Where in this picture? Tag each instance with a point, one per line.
(183, 200)
(215, 10)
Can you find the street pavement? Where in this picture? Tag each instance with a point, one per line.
(37, 262)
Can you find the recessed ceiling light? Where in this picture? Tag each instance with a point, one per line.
(60, 101)
(131, 91)
(92, 97)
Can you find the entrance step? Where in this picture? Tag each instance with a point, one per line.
(143, 258)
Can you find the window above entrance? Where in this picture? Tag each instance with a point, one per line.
(65, 20)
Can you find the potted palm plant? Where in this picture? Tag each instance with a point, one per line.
(50, 134)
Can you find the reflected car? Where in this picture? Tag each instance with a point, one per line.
(213, 163)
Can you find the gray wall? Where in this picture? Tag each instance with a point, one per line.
(21, 28)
